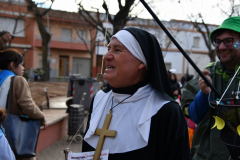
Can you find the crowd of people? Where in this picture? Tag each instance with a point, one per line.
(143, 112)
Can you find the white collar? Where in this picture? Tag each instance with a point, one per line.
(153, 101)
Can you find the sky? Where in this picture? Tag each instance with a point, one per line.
(165, 9)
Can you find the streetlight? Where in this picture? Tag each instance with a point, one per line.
(97, 56)
(98, 53)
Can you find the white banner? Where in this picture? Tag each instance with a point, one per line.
(88, 155)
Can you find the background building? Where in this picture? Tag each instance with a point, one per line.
(187, 36)
(72, 38)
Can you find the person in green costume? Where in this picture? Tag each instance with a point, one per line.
(197, 95)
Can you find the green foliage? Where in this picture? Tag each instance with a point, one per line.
(59, 78)
(40, 72)
(26, 74)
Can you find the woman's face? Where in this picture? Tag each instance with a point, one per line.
(172, 77)
(19, 70)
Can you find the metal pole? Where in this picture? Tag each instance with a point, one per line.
(48, 59)
(179, 47)
(97, 56)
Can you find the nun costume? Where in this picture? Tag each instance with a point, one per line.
(149, 124)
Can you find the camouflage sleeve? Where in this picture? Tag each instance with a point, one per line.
(189, 93)
(191, 90)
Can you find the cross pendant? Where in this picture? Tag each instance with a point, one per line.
(104, 132)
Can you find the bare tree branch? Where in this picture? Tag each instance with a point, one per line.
(232, 10)
(90, 48)
(47, 10)
(203, 29)
(95, 22)
(46, 37)
(118, 21)
(17, 18)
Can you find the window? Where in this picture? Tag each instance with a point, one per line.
(40, 60)
(168, 66)
(101, 35)
(8, 24)
(110, 30)
(82, 34)
(196, 41)
(15, 1)
(66, 35)
(168, 42)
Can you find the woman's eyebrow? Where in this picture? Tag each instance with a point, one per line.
(114, 45)
(117, 45)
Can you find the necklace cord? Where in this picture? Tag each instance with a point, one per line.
(78, 130)
(118, 103)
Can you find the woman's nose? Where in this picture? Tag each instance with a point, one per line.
(108, 55)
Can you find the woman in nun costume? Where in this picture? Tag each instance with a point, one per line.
(148, 121)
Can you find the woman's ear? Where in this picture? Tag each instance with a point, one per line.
(141, 65)
(11, 66)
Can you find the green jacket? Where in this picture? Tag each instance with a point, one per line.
(206, 144)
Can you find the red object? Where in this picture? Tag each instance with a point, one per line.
(73, 90)
(91, 91)
(191, 124)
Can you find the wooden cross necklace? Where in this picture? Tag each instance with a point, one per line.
(104, 132)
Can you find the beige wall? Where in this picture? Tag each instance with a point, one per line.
(56, 29)
(55, 54)
(72, 49)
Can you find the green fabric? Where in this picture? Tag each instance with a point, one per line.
(223, 74)
(232, 23)
(206, 144)
(209, 65)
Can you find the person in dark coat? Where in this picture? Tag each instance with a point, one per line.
(174, 83)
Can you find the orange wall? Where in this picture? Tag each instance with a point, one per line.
(56, 53)
(46, 136)
(58, 48)
(27, 39)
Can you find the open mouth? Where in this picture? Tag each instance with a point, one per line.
(110, 67)
(224, 53)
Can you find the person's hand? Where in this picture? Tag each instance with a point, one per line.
(203, 85)
(45, 126)
(7, 36)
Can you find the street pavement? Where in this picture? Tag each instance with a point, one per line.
(55, 151)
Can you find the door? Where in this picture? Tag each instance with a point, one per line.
(63, 65)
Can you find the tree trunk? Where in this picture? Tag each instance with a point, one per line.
(212, 55)
(46, 37)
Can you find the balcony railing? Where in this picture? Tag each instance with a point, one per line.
(64, 39)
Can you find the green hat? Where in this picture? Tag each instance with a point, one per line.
(232, 23)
